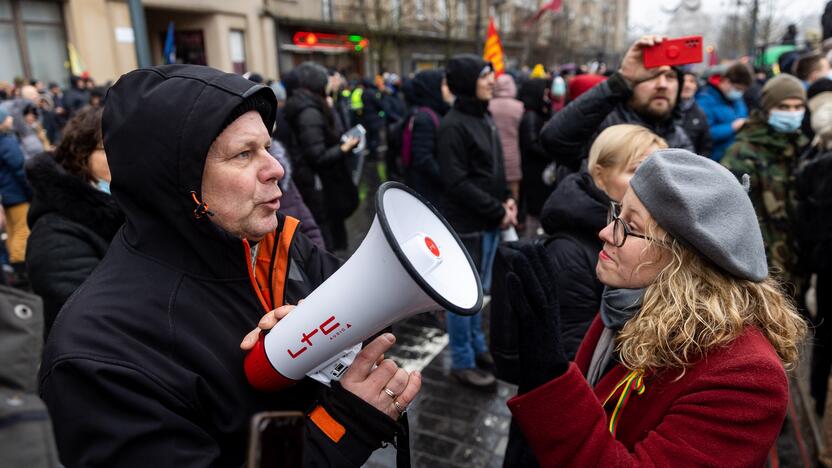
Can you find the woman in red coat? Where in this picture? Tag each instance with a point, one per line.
(685, 364)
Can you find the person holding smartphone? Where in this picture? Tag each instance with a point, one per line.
(634, 94)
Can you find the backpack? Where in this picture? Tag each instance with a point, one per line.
(407, 135)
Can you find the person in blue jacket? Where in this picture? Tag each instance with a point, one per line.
(15, 193)
(724, 106)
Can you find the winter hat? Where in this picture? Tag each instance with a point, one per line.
(308, 75)
(261, 100)
(462, 73)
(782, 87)
(583, 83)
(700, 203)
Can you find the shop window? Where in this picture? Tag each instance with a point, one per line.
(237, 47)
(32, 33)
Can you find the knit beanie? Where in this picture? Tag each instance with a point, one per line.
(261, 100)
(702, 205)
(782, 87)
(462, 73)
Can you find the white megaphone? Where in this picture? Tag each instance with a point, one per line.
(411, 261)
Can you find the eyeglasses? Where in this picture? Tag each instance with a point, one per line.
(620, 230)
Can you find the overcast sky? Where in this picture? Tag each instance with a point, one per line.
(648, 15)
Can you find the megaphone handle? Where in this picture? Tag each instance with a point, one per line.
(260, 372)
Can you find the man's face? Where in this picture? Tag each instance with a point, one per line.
(656, 97)
(239, 182)
(485, 86)
(689, 88)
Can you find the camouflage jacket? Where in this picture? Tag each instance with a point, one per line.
(770, 159)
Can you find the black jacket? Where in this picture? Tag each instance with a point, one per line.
(570, 133)
(423, 174)
(72, 224)
(696, 127)
(143, 366)
(471, 161)
(533, 155)
(574, 215)
(314, 147)
(813, 182)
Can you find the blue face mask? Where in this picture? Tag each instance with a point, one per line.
(734, 95)
(103, 185)
(785, 121)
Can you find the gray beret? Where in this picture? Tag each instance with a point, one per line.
(701, 204)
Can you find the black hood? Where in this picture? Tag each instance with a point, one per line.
(576, 205)
(158, 125)
(531, 94)
(57, 191)
(309, 76)
(426, 90)
(462, 74)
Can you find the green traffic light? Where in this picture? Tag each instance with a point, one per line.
(355, 38)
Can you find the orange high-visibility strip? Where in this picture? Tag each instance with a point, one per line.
(280, 268)
(329, 426)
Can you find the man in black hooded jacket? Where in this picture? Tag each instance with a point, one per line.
(143, 366)
(476, 199)
(634, 95)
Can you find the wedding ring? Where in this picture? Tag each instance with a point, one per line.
(399, 407)
(390, 393)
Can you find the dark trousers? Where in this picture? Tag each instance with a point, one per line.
(822, 344)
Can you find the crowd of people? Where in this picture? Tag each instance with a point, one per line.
(672, 223)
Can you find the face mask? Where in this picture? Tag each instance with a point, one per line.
(103, 185)
(558, 87)
(785, 121)
(734, 95)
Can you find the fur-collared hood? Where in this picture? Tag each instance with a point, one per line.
(57, 191)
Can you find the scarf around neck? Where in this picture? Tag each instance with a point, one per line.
(618, 305)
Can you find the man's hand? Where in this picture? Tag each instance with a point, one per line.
(737, 125)
(384, 385)
(510, 216)
(632, 67)
(266, 323)
(349, 144)
(370, 377)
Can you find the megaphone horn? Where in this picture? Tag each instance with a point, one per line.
(411, 261)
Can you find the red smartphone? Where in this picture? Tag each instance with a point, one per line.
(679, 51)
(276, 439)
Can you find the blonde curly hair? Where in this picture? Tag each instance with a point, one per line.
(694, 306)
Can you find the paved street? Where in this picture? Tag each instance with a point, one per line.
(451, 425)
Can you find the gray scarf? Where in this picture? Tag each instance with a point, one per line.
(617, 307)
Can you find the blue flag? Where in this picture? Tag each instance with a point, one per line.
(170, 47)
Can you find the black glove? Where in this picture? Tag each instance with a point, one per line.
(535, 304)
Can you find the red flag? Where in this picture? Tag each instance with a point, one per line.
(493, 50)
(553, 6)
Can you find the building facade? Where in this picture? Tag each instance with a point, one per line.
(51, 38)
